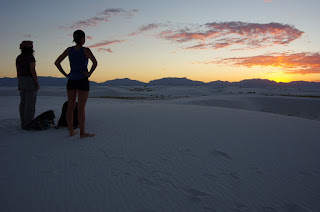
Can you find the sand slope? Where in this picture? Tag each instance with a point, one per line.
(160, 157)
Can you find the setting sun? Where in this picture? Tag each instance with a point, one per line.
(280, 77)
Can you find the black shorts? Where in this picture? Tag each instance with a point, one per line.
(82, 84)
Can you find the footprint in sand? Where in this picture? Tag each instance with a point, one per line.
(137, 164)
(222, 154)
(268, 209)
(161, 173)
(235, 175)
(207, 209)
(286, 208)
(187, 152)
(210, 176)
(293, 208)
(255, 171)
(308, 173)
(40, 156)
(195, 192)
(239, 206)
(159, 181)
(117, 172)
(10, 126)
(149, 183)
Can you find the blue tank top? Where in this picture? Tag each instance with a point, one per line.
(78, 63)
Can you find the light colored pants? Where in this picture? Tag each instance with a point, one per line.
(28, 95)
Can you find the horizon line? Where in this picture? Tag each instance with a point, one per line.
(180, 78)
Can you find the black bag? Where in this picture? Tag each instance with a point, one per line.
(43, 121)
(63, 118)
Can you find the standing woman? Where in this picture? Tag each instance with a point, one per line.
(28, 84)
(78, 82)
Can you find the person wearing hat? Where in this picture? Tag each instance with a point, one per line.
(78, 82)
(28, 84)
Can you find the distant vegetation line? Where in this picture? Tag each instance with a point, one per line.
(53, 81)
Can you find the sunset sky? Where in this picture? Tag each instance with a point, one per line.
(205, 40)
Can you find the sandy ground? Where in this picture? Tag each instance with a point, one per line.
(209, 151)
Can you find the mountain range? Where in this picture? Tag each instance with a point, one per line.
(250, 83)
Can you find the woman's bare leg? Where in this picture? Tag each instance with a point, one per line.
(82, 100)
(72, 95)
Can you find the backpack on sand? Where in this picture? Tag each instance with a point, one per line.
(43, 121)
(63, 118)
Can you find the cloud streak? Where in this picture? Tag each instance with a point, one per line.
(100, 17)
(105, 50)
(217, 35)
(293, 63)
(105, 43)
(145, 28)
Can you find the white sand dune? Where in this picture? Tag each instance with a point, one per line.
(160, 156)
(290, 106)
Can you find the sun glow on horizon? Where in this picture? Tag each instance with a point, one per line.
(280, 77)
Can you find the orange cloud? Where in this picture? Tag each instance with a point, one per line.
(297, 63)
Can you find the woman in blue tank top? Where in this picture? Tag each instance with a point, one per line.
(78, 82)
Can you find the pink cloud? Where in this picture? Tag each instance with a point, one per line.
(293, 63)
(118, 12)
(271, 32)
(211, 46)
(103, 16)
(199, 46)
(89, 37)
(265, 1)
(183, 36)
(225, 34)
(105, 50)
(221, 45)
(145, 28)
(105, 43)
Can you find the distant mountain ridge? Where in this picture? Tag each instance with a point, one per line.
(123, 82)
(172, 81)
(175, 82)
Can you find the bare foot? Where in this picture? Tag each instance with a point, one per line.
(72, 133)
(85, 135)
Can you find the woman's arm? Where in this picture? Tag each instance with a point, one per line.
(34, 74)
(89, 55)
(59, 60)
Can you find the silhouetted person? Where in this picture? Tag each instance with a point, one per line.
(28, 84)
(78, 82)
